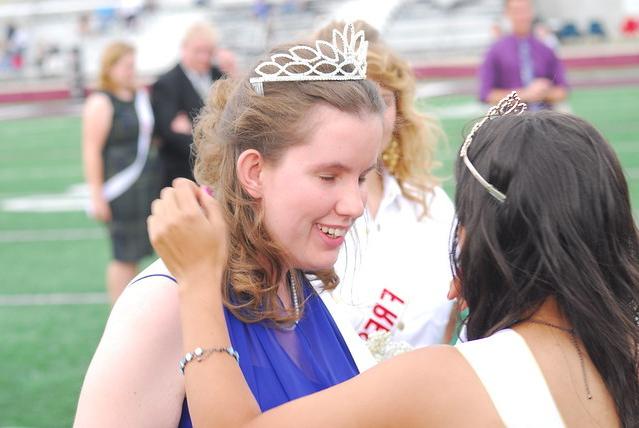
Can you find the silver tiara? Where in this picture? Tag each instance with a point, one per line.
(510, 104)
(346, 57)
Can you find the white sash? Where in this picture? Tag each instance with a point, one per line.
(362, 356)
(123, 180)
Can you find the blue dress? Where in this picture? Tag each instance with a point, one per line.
(281, 365)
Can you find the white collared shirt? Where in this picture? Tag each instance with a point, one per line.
(395, 270)
(200, 82)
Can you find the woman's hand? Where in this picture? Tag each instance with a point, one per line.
(188, 231)
(100, 209)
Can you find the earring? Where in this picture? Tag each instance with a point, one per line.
(391, 156)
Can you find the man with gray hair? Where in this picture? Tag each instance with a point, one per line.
(178, 96)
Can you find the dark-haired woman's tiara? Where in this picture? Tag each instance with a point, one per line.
(345, 56)
(508, 105)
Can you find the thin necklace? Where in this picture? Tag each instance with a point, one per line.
(294, 298)
(573, 336)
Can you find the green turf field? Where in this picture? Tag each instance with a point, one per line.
(45, 349)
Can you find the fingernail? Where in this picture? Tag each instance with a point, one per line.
(208, 190)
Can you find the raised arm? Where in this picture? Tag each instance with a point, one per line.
(410, 390)
(188, 231)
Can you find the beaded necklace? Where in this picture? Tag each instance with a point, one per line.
(573, 336)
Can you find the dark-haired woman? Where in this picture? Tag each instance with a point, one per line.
(548, 264)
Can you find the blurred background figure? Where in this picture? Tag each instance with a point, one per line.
(16, 45)
(519, 60)
(178, 96)
(394, 270)
(226, 61)
(120, 164)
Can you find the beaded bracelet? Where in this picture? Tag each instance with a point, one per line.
(199, 354)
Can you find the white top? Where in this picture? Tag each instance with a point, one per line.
(513, 380)
(395, 270)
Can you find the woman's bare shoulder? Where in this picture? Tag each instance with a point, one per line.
(135, 367)
(440, 383)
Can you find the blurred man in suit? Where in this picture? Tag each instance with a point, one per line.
(178, 96)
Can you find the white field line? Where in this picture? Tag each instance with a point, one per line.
(16, 236)
(53, 299)
(9, 174)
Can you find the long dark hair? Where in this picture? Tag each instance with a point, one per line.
(565, 230)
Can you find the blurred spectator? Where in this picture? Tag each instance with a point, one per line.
(150, 6)
(105, 16)
(523, 62)
(45, 55)
(178, 96)
(16, 44)
(226, 62)
(261, 9)
(120, 163)
(84, 24)
(630, 27)
(130, 11)
(76, 75)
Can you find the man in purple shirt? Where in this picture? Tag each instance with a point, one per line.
(521, 62)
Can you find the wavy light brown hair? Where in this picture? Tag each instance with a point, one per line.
(236, 119)
(417, 134)
(113, 53)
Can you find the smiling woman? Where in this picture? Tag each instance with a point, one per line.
(286, 161)
(328, 172)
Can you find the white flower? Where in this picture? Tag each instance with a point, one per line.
(383, 347)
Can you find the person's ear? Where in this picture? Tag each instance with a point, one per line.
(249, 167)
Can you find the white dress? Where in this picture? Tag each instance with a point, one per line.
(394, 270)
(513, 380)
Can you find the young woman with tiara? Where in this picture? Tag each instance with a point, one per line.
(393, 270)
(286, 155)
(547, 261)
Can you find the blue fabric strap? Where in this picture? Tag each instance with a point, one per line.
(154, 274)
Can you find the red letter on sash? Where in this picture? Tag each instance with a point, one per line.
(378, 326)
(393, 297)
(384, 314)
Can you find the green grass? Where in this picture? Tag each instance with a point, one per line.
(45, 350)
(613, 111)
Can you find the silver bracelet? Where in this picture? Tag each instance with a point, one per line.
(198, 354)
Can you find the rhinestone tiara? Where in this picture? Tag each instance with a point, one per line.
(345, 55)
(511, 104)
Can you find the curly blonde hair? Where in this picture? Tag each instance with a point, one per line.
(236, 119)
(416, 133)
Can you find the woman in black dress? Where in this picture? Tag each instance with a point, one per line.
(120, 163)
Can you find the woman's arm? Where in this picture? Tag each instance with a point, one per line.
(188, 231)
(133, 379)
(96, 123)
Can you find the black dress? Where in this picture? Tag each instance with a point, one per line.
(129, 211)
